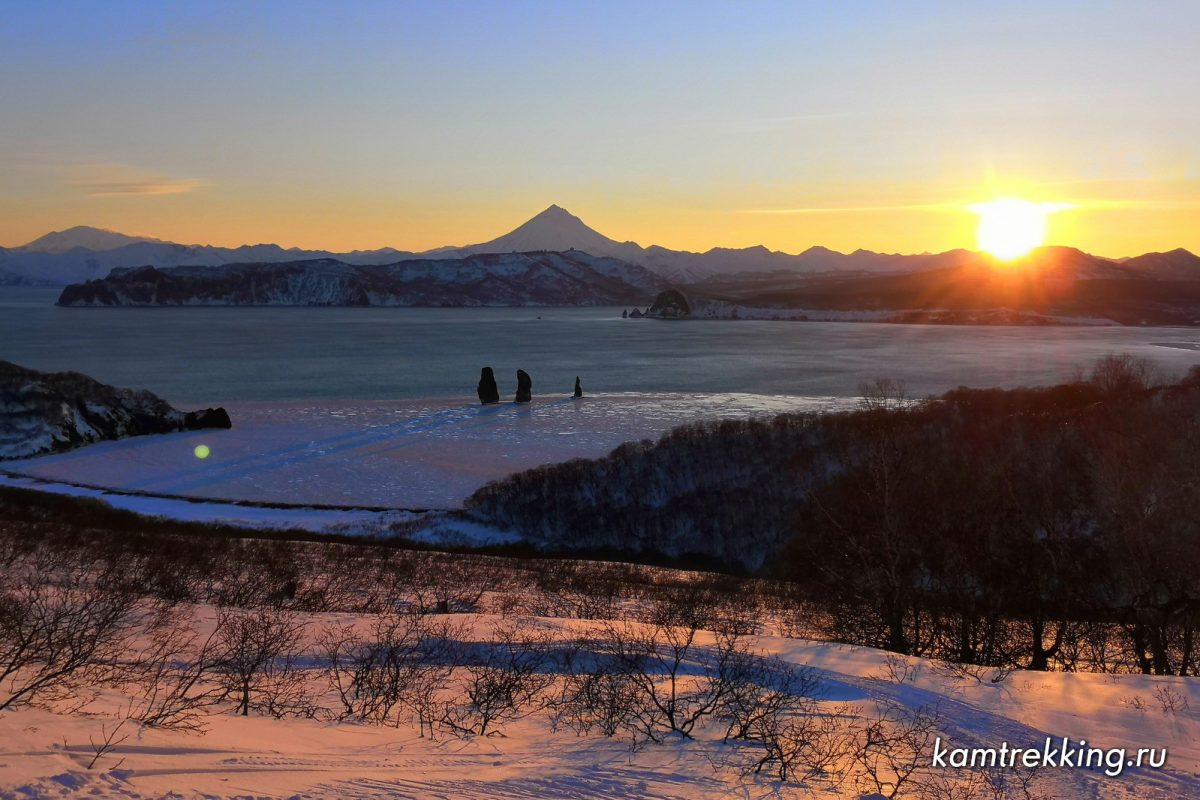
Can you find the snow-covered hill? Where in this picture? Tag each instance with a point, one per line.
(46, 412)
(514, 279)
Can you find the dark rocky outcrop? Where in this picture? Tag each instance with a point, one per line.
(487, 390)
(578, 387)
(45, 412)
(670, 304)
(635, 314)
(207, 418)
(625, 314)
(524, 387)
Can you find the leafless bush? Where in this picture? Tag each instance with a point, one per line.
(972, 672)
(256, 661)
(395, 668)
(597, 694)
(676, 683)
(897, 669)
(503, 681)
(110, 737)
(443, 584)
(1135, 702)
(64, 627)
(761, 689)
(168, 682)
(1124, 374)
(990, 783)
(891, 748)
(1170, 700)
(883, 394)
(802, 746)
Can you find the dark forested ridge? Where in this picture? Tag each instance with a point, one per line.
(972, 526)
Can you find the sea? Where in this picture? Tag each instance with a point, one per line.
(197, 356)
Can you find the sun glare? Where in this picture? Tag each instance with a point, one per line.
(1010, 227)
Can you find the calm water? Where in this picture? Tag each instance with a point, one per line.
(195, 355)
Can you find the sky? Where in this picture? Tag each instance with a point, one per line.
(685, 124)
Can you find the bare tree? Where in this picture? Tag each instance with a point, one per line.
(257, 654)
(676, 682)
(64, 626)
(169, 680)
(504, 680)
(892, 748)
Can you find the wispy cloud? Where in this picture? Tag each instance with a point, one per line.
(852, 209)
(105, 179)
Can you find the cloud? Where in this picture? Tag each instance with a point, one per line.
(105, 179)
(851, 209)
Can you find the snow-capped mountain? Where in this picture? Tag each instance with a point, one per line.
(85, 237)
(499, 279)
(555, 229)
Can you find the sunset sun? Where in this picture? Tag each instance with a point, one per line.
(1010, 227)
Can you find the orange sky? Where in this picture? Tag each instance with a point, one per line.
(435, 124)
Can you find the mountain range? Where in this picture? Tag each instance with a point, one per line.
(82, 253)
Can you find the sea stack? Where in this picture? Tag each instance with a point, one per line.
(488, 393)
(208, 418)
(524, 387)
(578, 387)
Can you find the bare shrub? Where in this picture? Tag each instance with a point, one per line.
(502, 681)
(596, 694)
(64, 626)
(891, 748)
(976, 673)
(802, 746)
(442, 584)
(168, 682)
(762, 689)
(883, 394)
(897, 669)
(110, 737)
(676, 682)
(1170, 699)
(1123, 374)
(391, 670)
(256, 661)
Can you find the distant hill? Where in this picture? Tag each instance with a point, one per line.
(512, 279)
(85, 237)
(1050, 285)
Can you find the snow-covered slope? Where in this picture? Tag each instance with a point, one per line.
(44, 412)
(45, 754)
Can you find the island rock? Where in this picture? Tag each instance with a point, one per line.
(487, 390)
(524, 387)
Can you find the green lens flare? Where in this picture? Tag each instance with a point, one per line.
(202, 451)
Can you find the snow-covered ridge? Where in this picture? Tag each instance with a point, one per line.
(47, 412)
(510, 279)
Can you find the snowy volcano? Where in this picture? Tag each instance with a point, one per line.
(555, 229)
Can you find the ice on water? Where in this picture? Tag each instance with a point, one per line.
(406, 454)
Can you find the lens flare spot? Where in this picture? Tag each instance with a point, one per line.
(202, 451)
